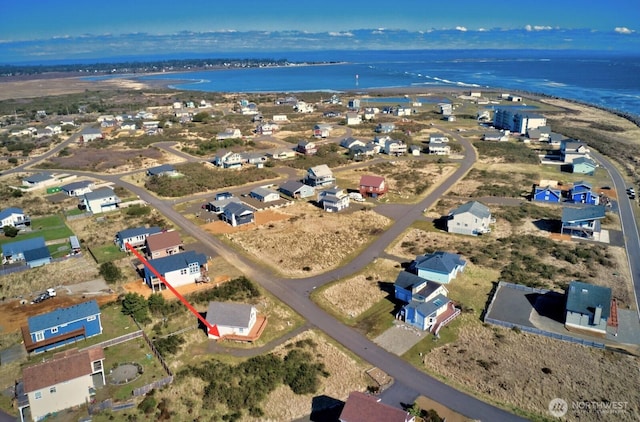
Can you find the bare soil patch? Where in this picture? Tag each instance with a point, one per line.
(311, 241)
(108, 160)
(261, 218)
(528, 371)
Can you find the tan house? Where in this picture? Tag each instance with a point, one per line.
(69, 379)
(163, 244)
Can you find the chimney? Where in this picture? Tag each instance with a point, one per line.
(597, 315)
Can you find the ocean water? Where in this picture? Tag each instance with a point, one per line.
(606, 79)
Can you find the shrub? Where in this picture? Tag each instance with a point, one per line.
(110, 272)
(148, 404)
(10, 231)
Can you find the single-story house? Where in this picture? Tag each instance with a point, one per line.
(238, 214)
(39, 180)
(333, 199)
(438, 266)
(37, 257)
(438, 148)
(236, 319)
(135, 237)
(373, 186)
(350, 142)
(264, 194)
(100, 200)
(296, 189)
(583, 221)
(581, 193)
(15, 217)
(162, 244)
(257, 158)
(438, 138)
(62, 326)
(496, 135)
(361, 407)
(90, 134)
(68, 380)
(584, 165)
(229, 133)
(178, 270)
(472, 218)
(282, 154)
(14, 251)
(546, 194)
(588, 308)
(77, 188)
(162, 170)
(320, 175)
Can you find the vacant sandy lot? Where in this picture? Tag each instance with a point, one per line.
(311, 240)
(528, 371)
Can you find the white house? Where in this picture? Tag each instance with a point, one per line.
(334, 199)
(302, 107)
(100, 200)
(438, 148)
(91, 133)
(231, 318)
(68, 380)
(394, 147)
(264, 194)
(472, 218)
(178, 270)
(77, 188)
(353, 118)
(13, 217)
(438, 138)
(280, 118)
(229, 133)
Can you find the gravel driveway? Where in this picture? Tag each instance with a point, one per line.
(399, 338)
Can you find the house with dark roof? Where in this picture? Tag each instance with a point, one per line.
(472, 218)
(39, 180)
(321, 131)
(62, 326)
(438, 266)
(588, 308)
(296, 189)
(583, 221)
(373, 186)
(15, 251)
(69, 379)
(162, 170)
(581, 193)
(361, 407)
(584, 165)
(37, 257)
(408, 286)
(15, 217)
(100, 200)
(218, 205)
(178, 270)
(546, 194)
(234, 320)
(77, 188)
(162, 244)
(237, 214)
(136, 236)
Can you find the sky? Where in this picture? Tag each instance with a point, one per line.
(44, 19)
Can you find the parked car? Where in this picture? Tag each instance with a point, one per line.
(50, 293)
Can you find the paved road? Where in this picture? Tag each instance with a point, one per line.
(628, 221)
(295, 293)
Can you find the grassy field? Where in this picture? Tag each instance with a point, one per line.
(107, 253)
(51, 228)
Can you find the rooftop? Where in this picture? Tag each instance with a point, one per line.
(584, 297)
(137, 231)
(474, 207)
(63, 316)
(440, 262)
(176, 262)
(62, 368)
(590, 212)
(229, 314)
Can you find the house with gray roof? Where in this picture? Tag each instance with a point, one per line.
(162, 170)
(135, 236)
(320, 175)
(101, 200)
(472, 218)
(178, 270)
(438, 266)
(264, 194)
(39, 180)
(588, 308)
(333, 199)
(236, 319)
(296, 189)
(237, 214)
(77, 188)
(582, 221)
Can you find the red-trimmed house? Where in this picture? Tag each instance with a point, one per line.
(306, 148)
(373, 186)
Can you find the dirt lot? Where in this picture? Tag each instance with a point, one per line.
(509, 368)
(261, 218)
(109, 160)
(144, 290)
(308, 240)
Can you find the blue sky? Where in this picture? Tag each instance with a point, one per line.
(43, 19)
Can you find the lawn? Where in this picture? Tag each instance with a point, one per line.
(52, 227)
(107, 253)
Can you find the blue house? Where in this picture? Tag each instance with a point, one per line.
(14, 251)
(583, 221)
(424, 315)
(62, 326)
(237, 214)
(438, 266)
(409, 286)
(581, 193)
(37, 257)
(546, 194)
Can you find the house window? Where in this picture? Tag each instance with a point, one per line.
(52, 390)
(194, 268)
(183, 271)
(40, 336)
(38, 395)
(54, 330)
(91, 318)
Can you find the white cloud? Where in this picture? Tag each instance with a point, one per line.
(624, 30)
(341, 34)
(461, 28)
(537, 28)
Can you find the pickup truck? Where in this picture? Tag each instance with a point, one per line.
(50, 293)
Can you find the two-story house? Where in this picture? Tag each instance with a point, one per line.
(136, 236)
(100, 200)
(472, 218)
(162, 244)
(178, 270)
(333, 199)
(320, 175)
